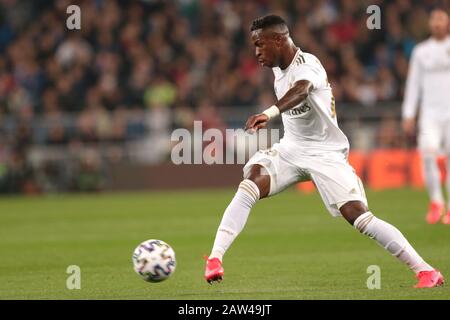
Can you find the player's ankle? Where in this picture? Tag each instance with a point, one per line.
(216, 254)
(422, 267)
(439, 203)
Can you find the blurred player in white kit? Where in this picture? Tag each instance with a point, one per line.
(428, 86)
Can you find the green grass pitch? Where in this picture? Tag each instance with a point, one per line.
(291, 247)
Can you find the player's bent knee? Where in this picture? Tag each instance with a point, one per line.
(260, 179)
(351, 210)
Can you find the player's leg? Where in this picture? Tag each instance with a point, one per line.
(343, 194)
(446, 219)
(390, 238)
(429, 141)
(256, 186)
(433, 184)
(264, 175)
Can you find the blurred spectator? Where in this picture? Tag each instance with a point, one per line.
(389, 132)
(89, 175)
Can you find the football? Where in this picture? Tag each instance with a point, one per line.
(154, 260)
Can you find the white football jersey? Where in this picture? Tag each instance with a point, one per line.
(429, 81)
(311, 126)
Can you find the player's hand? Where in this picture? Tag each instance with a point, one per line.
(256, 122)
(409, 126)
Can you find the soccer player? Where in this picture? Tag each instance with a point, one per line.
(313, 148)
(429, 81)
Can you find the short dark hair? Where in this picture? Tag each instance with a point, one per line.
(440, 5)
(267, 21)
(439, 8)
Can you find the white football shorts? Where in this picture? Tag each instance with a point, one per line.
(434, 136)
(334, 177)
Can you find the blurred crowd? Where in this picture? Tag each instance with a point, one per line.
(139, 68)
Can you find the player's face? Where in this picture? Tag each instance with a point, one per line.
(266, 49)
(439, 23)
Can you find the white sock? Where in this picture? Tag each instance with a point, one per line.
(390, 238)
(235, 217)
(432, 177)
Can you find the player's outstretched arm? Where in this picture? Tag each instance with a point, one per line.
(412, 95)
(297, 94)
(292, 98)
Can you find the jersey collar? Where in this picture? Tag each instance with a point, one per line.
(292, 62)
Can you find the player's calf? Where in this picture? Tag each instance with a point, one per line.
(233, 221)
(250, 190)
(390, 238)
(235, 217)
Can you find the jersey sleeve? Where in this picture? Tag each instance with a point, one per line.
(310, 72)
(413, 87)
